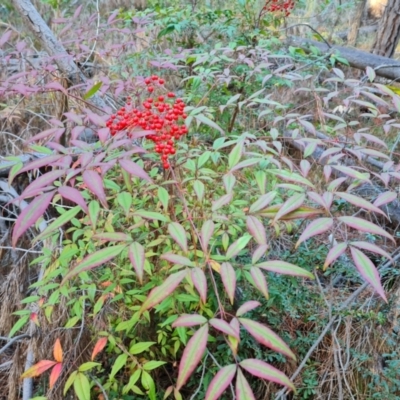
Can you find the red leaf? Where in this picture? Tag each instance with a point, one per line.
(95, 184)
(55, 132)
(55, 374)
(41, 162)
(98, 347)
(38, 368)
(220, 382)
(30, 215)
(192, 355)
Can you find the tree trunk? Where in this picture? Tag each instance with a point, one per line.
(352, 37)
(388, 34)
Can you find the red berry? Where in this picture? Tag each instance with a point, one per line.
(161, 81)
(170, 94)
(147, 81)
(150, 89)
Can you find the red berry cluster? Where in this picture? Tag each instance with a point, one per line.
(279, 6)
(156, 114)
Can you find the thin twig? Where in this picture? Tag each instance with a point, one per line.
(12, 341)
(201, 379)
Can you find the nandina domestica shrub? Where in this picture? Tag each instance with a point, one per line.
(160, 275)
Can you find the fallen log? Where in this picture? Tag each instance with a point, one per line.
(384, 67)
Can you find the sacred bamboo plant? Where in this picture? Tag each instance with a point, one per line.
(164, 250)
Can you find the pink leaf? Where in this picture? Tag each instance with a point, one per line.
(56, 86)
(177, 233)
(259, 252)
(266, 337)
(189, 320)
(103, 134)
(246, 307)
(207, 231)
(334, 253)
(352, 172)
(256, 229)
(282, 267)
(73, 195)
(259, 280)
(136, 254)
(43, 181)
(96, 119)
(373, 248)
(159, 293)
(95, 184)
(41, 162)
(192, 355)
(316, 227)
(291, 204)
(30, 215)
(359, 202)
(224, 327)
(262, 202)
(200, 283)
(228, 277)
(222, 201)
(77, 12)
(220, 382)
(4, 39)
(243, 389)
(365, 226)
(134, 169)
(112, 237)
(385, 198)
(49, 132)
(177, 259)
(266, 371)
(368, 271)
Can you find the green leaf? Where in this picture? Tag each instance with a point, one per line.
(236, 247)
(153, 365)
(207, 121)
(150, 215)
(291, 204)
(235, 155)
(18, 325)
(71, 322)
(198, 187)
(92, 91)
(316, 227)
(82, 386)
(88, 366)
(163, 196)
(119, 363)
(125, 201)
(69, 382)
(94, 210)
(262, 202)
(140, 347)
(132, 380)
(228, 277)
(222, 201)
